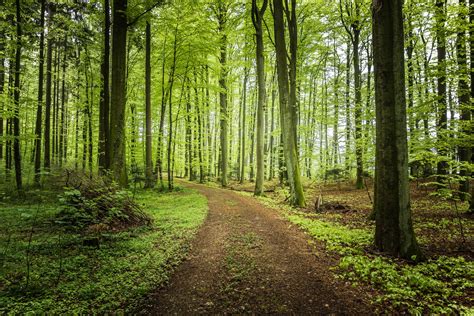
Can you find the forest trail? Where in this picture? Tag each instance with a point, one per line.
(247, 259)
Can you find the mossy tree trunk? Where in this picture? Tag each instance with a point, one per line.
(394, 232)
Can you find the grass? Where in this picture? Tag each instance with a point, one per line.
(66, 277)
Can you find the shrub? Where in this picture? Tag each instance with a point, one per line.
(95, 204)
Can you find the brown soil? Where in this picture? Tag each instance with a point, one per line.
(247, 259)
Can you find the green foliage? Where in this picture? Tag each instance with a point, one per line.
(437, 286)
(337, 237)
(66, 277)
(102, 204)
(432, 287)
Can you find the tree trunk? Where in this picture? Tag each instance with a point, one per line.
(149, 182)
(16, 100)
(62, 131)
(471, 44)
(347, 145)
(394, 232)
(257, 17)
(358, 103)
(119, 93)
(442, 109)
(464, 101)
(287, 114)
(39, 110)
(104, 106)
(244, 120)
(47, 118)
(222, 20)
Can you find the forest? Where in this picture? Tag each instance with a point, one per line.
(236, 157)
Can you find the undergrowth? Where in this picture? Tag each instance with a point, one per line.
(438, 286)
(46, 270)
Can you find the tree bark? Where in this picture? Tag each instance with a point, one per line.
(104, 106)
(149, 181)
(287, 114)
(39, 110)
(442, 108)
(119, 93)
(464, 100)
(16, 100)
(394, 232)
(222, 20)
(47, 118)
(257, 17)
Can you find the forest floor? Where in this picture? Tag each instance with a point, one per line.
(258, 255)
(247, 258)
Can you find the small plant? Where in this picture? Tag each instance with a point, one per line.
(96, 204)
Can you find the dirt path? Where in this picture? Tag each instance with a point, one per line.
(247, 259)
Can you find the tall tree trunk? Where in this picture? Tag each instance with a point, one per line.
(465, 150)
(287, 110)
(62, 131)
(3, 52)
(257, 17)
(347, 145)
(471, 44)
(119, 93)
(104, 106)
(39, 110)
(47, 118)
(244, 121)
(358, 100)
(198, 130)
(394, 232)
(442, 108)
(16, 99)
(271, 172)
(149, 182)
(222, 20)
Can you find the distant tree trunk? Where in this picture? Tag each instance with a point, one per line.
(198, 130)
(149, 182)
(62, 131)
(287, 111)
(394, 232)
(271, 172)
(222, 20)
(118, 100)
(104, 106)
(189, 136)
(348, 112)
(358, 102)
(442, 109)
(257, 17)
(16, 100)
(244, 120)
(47, 118)
(39, 110)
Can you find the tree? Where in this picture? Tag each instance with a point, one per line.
(39, 111)
(287, 110)
(118, 100)
(353, 30)
(222, 11)
(257, 17)
(104, 106)
(148, 146)
(394, 232)
(47, 118)
(16, 100)
(441, 81)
